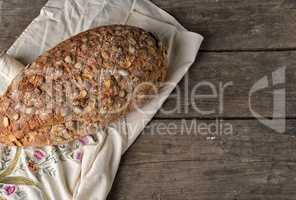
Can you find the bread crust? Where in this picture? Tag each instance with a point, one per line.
(82, 84)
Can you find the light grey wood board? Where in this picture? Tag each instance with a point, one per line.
(237, 24)
(253, 163)
(226, 25)
(241, 71)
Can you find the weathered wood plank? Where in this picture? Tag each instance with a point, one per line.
(243, 69)
(194, 180)
(252, 163)
(237, 25)
(226, 25)
(171, 140)
(15, 16)
(6, 42)
(20, 4)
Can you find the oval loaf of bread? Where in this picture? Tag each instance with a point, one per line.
(83, 83)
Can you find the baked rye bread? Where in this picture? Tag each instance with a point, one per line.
(83, 83)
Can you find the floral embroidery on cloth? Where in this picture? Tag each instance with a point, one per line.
(40, 162)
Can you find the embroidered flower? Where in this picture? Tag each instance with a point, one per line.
(79, 156)
(84, 140)
(39, 154)
(9, 189)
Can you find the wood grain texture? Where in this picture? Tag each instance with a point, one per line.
(243, 69)
(226, 25)
(237, 24)
(15, 16)
(252, 163)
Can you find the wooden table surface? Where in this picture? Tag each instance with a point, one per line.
(244, 41)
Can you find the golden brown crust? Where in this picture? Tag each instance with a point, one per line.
(85, 82)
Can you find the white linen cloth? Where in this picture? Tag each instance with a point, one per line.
(85, 169)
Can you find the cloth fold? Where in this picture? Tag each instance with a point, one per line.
(85, 168)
